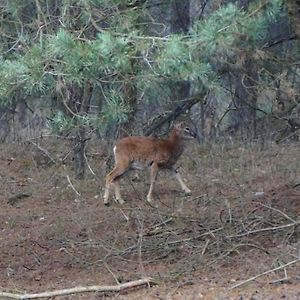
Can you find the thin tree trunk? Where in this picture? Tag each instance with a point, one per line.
(79, 149)
(243, 116)
(294, 15)
(80, 98)
(130, 94)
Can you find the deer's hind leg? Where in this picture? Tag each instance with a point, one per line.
(153, 174)
(112, 180)
(181, 182)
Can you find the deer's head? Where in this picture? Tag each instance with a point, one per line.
(184, 131)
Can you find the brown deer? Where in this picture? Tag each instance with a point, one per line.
(138, 152)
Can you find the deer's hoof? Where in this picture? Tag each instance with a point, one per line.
(149, 199)
(188, 192)
(121, 201)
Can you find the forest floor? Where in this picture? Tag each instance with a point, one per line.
(241, 221)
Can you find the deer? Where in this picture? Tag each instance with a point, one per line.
(139, 152)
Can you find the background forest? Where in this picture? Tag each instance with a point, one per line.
(101, 68)
(75, 75)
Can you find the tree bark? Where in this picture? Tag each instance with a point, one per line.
(294, 15)
(130, 95)
(79, 102)
(243, 114)
(171, 17)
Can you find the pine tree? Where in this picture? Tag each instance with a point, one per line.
(77, 49)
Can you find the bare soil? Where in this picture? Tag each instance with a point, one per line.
(240, 222)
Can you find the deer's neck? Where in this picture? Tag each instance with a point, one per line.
(176, 141)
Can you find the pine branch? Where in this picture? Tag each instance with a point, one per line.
(281, 40)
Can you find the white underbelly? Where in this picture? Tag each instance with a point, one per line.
(137, 165)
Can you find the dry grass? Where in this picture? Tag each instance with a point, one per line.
(238, 222)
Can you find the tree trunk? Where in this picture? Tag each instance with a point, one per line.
(294, 15)
(79, 149)
(179, 22)
(243, 114)
(171, 17)
(130, 95)
(79, 101)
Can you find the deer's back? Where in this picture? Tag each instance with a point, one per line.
(145, 150)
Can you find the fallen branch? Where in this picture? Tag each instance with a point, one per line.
(87, 163)
(15, 198)
(81, 289)
(44, 151)
(72, 186)
(277, 210)
(264, 273)
(264, 229)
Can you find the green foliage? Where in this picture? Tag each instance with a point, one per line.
(116, 108)
(61, 44)
(114, 52)
(107, 3)
(24, 74)
(14, 7)
(12, 78)
(229, 29)
(105, 41)
(38, 81)
(177, 61)
(173, 58)
(60, 123)
(217, 33)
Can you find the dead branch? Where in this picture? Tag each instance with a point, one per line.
(15, 198)
(44, 151)
(277, 210)
(87, 162)
(183, 107)
(278, 141)
(264, 273)
(82, 289)
(72, 186)
(264, 229)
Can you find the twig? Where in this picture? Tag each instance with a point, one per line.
(264, 273)
(15, 198)
(281, 280)
(286, 278)
(287, 137)
(82, 289)
(279, 41)
(125, 216)
(72, 186)
(275, 209)
(87, 162)
(205, 247)
(158, 228)
(43, 151)
(264, 229)
(111, 272)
